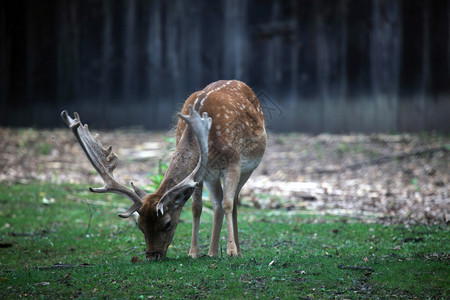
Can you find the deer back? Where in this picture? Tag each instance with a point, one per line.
(237, 134)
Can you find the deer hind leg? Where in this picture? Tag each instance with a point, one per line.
(215, 190)
(242, 181)
(231, 189)
(197, 206)
(235, 225)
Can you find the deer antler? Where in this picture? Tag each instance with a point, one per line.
(104, 161)
(201, 127)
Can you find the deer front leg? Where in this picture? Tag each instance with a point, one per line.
(197, 206)
(231, 181)
(216, 194)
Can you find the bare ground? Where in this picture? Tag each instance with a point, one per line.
(390, 178)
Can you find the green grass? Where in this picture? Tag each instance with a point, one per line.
(286, 254)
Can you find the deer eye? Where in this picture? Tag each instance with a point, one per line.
(168, 225)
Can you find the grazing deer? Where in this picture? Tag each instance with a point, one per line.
(220, 149)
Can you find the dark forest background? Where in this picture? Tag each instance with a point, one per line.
(317, 66)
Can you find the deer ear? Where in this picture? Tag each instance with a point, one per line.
(177, 196)
(184, 195)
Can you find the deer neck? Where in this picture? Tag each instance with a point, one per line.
(182, 164)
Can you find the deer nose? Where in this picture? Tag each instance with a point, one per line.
(153, 255)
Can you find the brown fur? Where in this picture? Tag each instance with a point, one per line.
(237, 141)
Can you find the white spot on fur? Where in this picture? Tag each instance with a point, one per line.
(218, 127)
(212, 91)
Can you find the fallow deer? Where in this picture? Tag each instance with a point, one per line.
(220, 149)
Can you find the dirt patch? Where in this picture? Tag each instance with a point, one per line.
(399, 178)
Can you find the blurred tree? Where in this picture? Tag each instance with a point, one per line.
(344, 65)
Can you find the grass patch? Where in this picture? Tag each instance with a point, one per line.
(286, 254)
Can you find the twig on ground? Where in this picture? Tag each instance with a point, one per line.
(63, 266)
(284, 243)
(356, 268)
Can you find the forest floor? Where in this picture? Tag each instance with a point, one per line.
(323, 216)
(395, 178)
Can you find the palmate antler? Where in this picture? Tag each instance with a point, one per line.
(104, 161)
(200, 126)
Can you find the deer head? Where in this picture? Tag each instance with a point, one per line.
(158, 212)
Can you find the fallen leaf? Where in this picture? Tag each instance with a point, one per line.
(136, 259)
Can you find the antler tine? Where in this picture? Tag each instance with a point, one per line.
(140, 192)
(104, 161)
(200, 127)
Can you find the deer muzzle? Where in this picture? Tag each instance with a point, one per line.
(154, 255)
